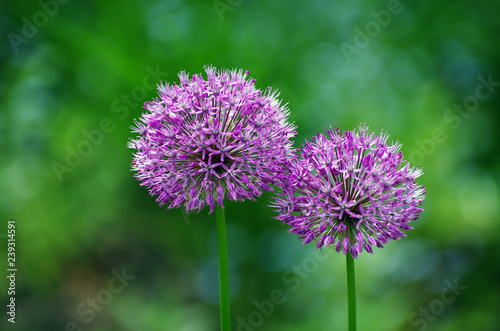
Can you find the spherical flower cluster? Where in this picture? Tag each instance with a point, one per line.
(351, 190)
(203, 139)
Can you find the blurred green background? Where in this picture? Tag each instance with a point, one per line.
(74, 75)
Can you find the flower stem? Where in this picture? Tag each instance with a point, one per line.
(225, 317)
(351, 292)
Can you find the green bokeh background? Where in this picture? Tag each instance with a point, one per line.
(73, 229)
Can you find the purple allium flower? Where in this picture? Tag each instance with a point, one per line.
(205, 138)
(351, 190)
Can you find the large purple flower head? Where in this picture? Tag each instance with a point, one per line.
(351, 190)
(204, 138)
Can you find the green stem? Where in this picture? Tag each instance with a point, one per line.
(351, 292)
(225, 317)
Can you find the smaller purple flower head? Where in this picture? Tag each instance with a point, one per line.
(351, 190)
(204, 139)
